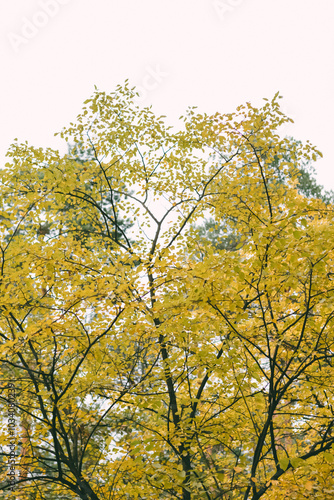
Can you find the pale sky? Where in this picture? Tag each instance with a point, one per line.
(215, 54)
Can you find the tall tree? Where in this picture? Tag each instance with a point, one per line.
(158, 366)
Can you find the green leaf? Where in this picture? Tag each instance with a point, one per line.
(284, 463)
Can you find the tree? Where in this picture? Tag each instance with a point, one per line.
(149, 363)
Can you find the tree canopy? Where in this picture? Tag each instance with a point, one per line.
(147, 362)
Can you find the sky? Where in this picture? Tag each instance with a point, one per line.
(214, 54)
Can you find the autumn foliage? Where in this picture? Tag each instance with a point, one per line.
(149, 363)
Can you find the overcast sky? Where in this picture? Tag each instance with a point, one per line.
(215, 54)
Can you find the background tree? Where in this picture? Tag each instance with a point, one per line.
(224, 236)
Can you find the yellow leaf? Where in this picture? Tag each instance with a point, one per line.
(309, 485)
(296, 462)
